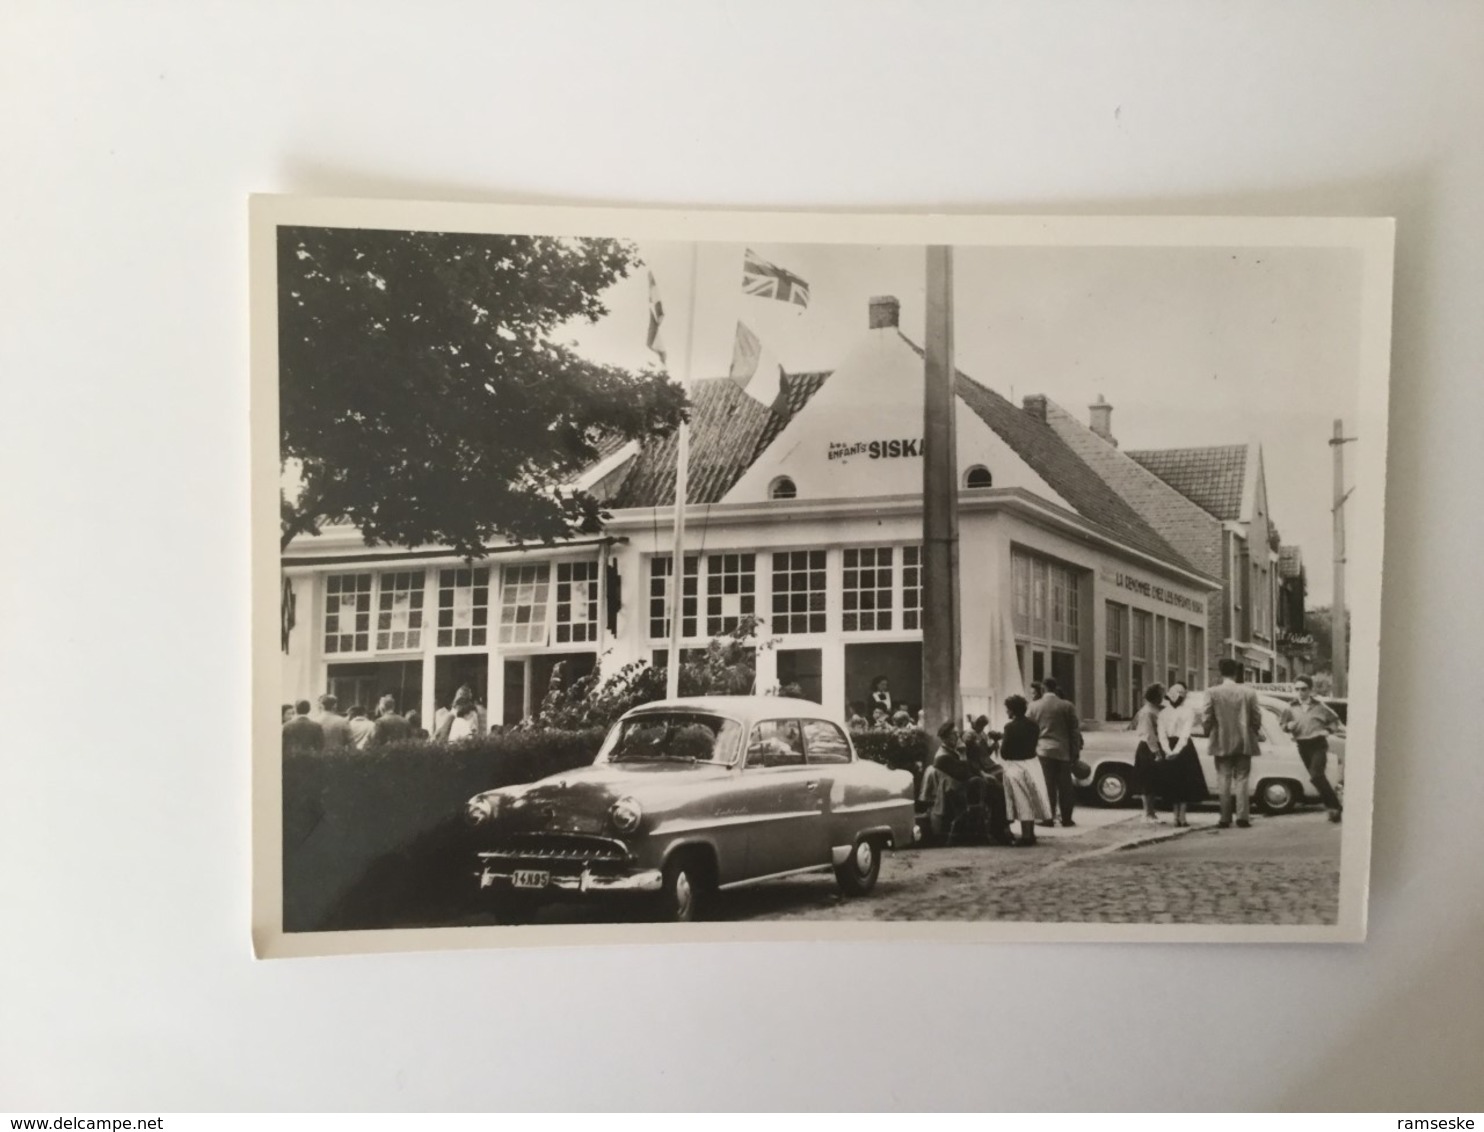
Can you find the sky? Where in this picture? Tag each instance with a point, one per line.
(1191, 346)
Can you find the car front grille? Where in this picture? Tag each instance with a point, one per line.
(574, 848)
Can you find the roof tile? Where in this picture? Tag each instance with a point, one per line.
(1211, 477)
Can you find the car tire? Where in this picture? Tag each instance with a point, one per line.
(1113, 786)
(1278, 796)
(685, 890)
(857, 875)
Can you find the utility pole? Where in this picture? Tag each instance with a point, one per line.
(1339, 623)
(940, 597)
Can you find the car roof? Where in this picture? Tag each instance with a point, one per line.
(742, 707)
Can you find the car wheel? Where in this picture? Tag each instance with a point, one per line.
(1276, 796)
(684, 891)
(857, 875)
(1112, 786)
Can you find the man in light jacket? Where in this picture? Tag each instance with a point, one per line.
(1233, 724)
(1058, 747)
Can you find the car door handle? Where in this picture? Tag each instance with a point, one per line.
(812, 785)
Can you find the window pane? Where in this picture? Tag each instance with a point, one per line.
(577, 601)
(798, 591)
(776, 743)
(867, 591)
(825, 742)
(524, 593)
(730, 591)
(911, 587)
(348, 613)
(400, 611)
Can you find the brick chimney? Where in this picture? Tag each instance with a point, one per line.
(1035, 405)
(885, 311)
(1100, 420)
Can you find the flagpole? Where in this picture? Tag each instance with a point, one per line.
(682, 488)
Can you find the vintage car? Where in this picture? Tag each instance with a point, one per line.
(690, 796)
(1280, 782)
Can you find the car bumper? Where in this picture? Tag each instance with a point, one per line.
(586, 882)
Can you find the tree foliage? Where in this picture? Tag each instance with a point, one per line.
(422, 397)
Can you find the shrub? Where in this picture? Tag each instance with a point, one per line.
(726, 666)
(901, 748)
(373, 838)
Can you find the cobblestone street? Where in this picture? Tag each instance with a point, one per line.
(1284, 870)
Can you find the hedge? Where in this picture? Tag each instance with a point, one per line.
(375, 839)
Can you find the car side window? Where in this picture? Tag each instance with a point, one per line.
(776, 742)
(825, 742)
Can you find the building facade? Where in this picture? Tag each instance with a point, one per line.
(807, 516)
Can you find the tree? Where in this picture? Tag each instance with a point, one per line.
(1320, 625)
(422, 398)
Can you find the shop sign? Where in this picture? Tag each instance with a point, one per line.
(874, 449)
(1152, 590)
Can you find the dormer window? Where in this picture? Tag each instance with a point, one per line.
(782, 488)
(978, 476)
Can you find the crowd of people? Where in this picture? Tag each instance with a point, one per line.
(356, 729)
(1039, 755)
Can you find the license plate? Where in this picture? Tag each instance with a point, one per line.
(530, 878)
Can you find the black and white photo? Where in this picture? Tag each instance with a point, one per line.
(645, 575)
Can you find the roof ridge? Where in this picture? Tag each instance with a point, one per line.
(1115, 514)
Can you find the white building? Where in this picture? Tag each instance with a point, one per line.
(809, 517)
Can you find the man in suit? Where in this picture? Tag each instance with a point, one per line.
(335, 726)
(390, 727)
(1058, 747)
(1233, 724)
(301, 735)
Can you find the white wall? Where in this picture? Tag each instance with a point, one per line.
(134, 133)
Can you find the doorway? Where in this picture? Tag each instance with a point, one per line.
(527, 680)
(901, 664)
(804, 670)
(362, 685)
(450, 673)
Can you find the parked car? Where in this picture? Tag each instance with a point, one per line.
(1280, 782)
(690, 796)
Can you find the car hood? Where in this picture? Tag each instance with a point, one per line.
(578, 801)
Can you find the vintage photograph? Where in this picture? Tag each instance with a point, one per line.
(813, 577)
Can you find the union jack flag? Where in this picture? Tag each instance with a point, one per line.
(769, 281)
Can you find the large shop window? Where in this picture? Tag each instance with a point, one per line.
(1115, 686)
(799, 591)
(1139, 652)
(730, 591)
(463, 607)
(524, 593)
(659, 597)
(399, 611)
(911, 587)
(1195, 661)
(867, 596)
(576, 602)
(348, 613)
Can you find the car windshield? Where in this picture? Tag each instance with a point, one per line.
(683, 736)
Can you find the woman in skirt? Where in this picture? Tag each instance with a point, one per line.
(1025, 785)
(1149, 756)
(1181, 780)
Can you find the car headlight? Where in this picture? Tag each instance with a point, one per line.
(481, 809)
(626, 813)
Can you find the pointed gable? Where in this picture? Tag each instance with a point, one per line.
(1215, 478)
(1184, 524)
(859, 433)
